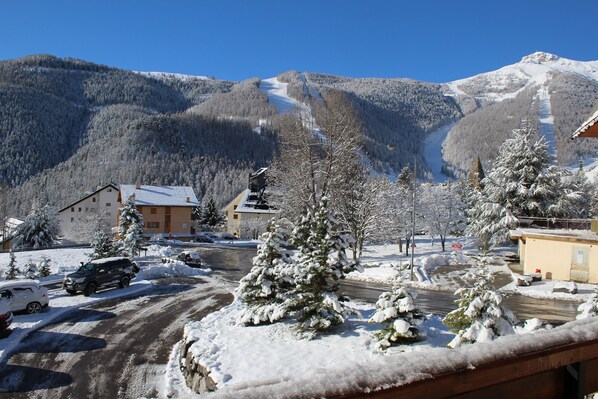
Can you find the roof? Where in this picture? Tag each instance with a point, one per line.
(10, 226)
(89, 195)
(559, 234)
(19, 283)
(160, 195)
(589, 128)
(248, 206)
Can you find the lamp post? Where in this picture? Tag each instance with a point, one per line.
(392, 147)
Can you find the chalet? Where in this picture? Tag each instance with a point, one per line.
(101, 205)
(166, 210)
(6, 235)
(589, 128)
(248, 213)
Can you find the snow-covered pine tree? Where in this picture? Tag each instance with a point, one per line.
(12, 270)
(130, 226)
(322, 262)
(210, 215)
(103, 246)
(589, 308)
(480, 316)
(43, 267)
(30, 270)
(39, 229)
(397, 309)
(575, 200)
(265, 289)
(520, 184)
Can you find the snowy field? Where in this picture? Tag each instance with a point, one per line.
(64, 261)
(271, 361)
(382, 265)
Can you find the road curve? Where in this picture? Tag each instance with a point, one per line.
(116, 349)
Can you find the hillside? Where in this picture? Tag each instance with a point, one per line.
(68, 126)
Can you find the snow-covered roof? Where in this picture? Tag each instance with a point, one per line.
(160, 195)
(564, 234)
(589, 128)
(89, 195)
(246, 205)
(9, 226)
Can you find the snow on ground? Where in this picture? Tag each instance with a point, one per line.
(241, 358)
(437, 270)
(547, 121)
(277, 95)
(271, 361)
(66, 260)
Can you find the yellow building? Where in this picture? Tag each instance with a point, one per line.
(246, 217)
(166, 210)
(567, 255)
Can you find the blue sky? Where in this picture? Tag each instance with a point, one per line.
(429, 40)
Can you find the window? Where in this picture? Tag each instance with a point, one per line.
(108, 204)
(153, 211)
(236, 216)
(73, 209)
(79, 209)
(235, 207)
(140, 208)
(93, 199)
(167, 210)
(152, 225)
(109, 190)
(72, 220)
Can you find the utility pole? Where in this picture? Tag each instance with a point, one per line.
(413, 214)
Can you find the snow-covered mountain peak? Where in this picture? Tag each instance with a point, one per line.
(539, 57)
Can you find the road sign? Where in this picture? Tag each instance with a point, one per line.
(457, 246)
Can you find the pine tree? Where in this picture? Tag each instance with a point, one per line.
(520, 184)
(103, 246)
(11, 270)
(322, 262)
(43, 267)
(130, 227)
(31, 270)
(402, 318)
(39, 229)
(211, 216)
(480, 316)
(265, 289)
(589, 308)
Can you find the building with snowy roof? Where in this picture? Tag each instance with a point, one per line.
(567, 255)
(166, 210)
(6, 234)
(248, 213)
(590, 127)
(98, 209)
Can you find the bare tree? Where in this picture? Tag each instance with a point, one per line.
(316, 160)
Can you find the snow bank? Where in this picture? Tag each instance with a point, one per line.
(273, 364)
(174, 269)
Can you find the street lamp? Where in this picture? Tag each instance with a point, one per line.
(392, 147)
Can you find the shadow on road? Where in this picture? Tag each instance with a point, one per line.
(54, 342)
(26, 379)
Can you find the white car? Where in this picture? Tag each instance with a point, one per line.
(24, 295)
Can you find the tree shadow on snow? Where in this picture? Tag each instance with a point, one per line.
(15, 379)
(55, 342)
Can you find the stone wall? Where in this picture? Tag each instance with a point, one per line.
(196, 376)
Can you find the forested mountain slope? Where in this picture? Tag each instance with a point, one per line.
(68, 126)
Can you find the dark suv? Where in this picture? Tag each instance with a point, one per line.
(100, 273)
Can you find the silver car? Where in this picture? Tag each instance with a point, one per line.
(24, 295)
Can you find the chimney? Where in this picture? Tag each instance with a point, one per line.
(188, 199)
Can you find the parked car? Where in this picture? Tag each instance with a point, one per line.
(5, 314)
(24, 295)
(190, 258)
(116, 271)
(228, 236)
(203, 238)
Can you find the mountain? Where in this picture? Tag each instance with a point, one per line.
(68, 126)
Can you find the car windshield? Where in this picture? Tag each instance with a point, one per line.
(88, 267)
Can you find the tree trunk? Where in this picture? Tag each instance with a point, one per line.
(442, 241)
(400, 245)
(407, 243)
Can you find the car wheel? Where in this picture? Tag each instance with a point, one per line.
(124, 282)
(71, 292)
(33, 307)
(91, 288)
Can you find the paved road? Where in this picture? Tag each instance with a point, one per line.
(118, 349)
